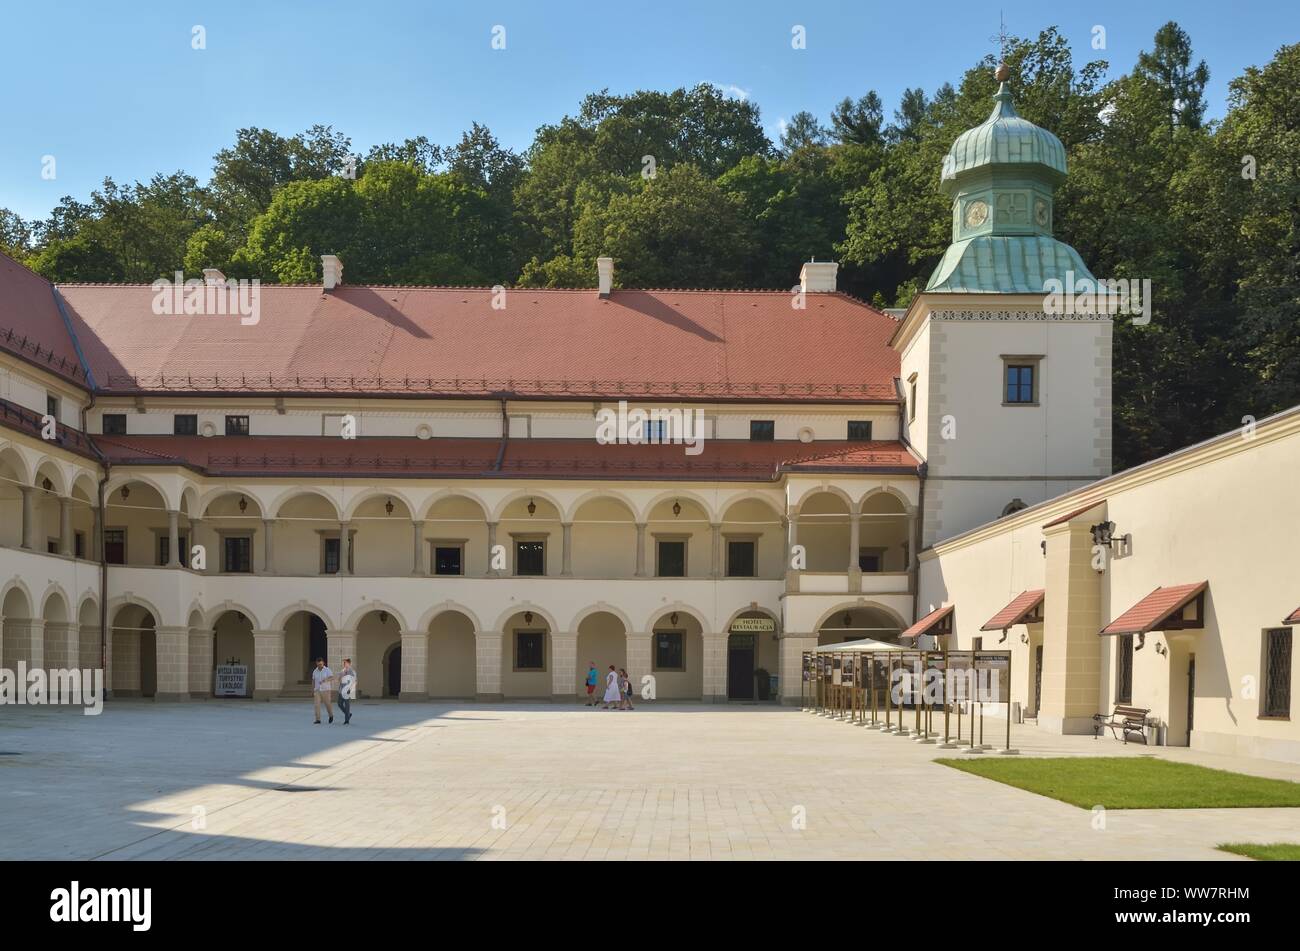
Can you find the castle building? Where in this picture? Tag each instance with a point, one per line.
(476, 492)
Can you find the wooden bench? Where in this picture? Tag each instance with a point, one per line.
(1123, 720)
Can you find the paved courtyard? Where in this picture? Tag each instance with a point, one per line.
(242, 780)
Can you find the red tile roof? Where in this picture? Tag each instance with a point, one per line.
(929, 621)
(1293, 617)
(1022, 604)
(31, 326)
(1068, 516)
(1156, 608)
(440, 341)
(396, 457)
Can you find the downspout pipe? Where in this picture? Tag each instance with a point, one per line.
(505, 435)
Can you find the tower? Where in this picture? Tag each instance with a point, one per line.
(1008, 390)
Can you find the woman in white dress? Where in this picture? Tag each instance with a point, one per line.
(613, 694)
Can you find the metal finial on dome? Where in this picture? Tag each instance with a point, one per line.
(1002, 73)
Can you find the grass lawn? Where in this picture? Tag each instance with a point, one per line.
(1123, 782)
(1273, 852)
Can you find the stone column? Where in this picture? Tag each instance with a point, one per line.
(792, 647)
(715, 667)
(417, 555)
(491, 544)
(415, 666)
(715, 571)
(1071, 620)
(791, 524)
(173, 539)
(564, 667)
(855, 535)
(566, 569)
(172, 653)
(29, 516)
(65, 527)
(638, 658)
(195, 524)
(339, 644)
(23, 640)
(201, 660)
(487, 664)
(345, 550)
(268, 546)
(640, 549)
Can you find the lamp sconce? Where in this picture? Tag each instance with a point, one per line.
(243, 505)
(532, 507)
(388, 507)
(1103, 533)
(672, 619)
(1024, 637)
(126, 492)
(528, 617)
(1161, 649)
(383, 617)
(1043, 546)
(677, 508)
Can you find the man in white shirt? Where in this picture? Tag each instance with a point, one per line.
(322, 682)
(347, 689)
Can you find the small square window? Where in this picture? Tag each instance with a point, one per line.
(165, 549)
(79, 544)
(911, 399)
(114, 424)
(52, 405)
(185, 424)
(762, 430)
(670, 652)
(530, 650)
(237, 554)
(51, 546)
(740, 559)
(656, 430)
(672, 559)
(530, 558)
(330, 556)
(115, 546)
(447, 560)
(236, 425)
(860, 430)
(1020, 383)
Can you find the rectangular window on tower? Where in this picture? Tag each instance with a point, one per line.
(1020, 380)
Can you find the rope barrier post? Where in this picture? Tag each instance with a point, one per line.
(889, 695)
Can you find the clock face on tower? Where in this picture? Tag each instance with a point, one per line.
(977, 212)
(1041, 213)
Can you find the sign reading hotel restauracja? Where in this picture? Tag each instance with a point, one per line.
(753, 625)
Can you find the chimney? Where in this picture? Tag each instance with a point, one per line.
(212, 277)
(332, 268)
(605, 275)
(815, 276)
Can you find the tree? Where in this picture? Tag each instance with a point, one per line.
(858, 123)
(801, 132)
(1182, 85)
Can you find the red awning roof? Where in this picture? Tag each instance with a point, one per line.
(1074, 514)
(929, 622)
(1155, 609)
(1293, 617)
(1023, 604)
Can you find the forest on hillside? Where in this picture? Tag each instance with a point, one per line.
(1208, 211)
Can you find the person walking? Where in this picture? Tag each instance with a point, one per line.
(625, 682)
(347, 689)
(322, 682)
(612, 690)
(593, 678)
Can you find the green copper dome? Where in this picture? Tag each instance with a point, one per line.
(1004, 139)
(1001, 176)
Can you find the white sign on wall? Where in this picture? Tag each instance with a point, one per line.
(232, 680)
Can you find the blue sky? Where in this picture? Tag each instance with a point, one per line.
(115, 89)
